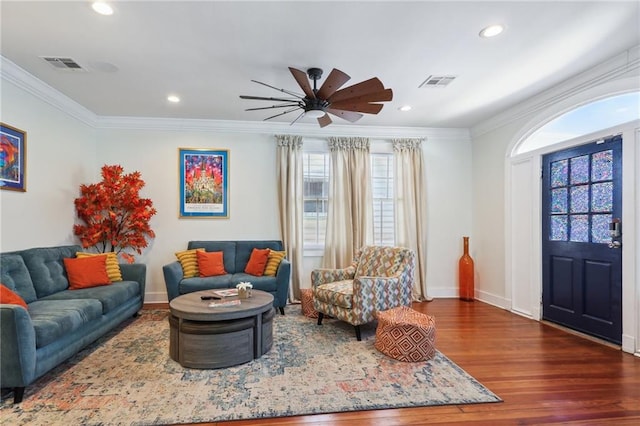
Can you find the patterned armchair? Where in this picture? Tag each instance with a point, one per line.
(378, 279)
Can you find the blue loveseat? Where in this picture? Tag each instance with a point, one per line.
(58, 322)
(235, 257)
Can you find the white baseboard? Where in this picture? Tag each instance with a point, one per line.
(155, 297)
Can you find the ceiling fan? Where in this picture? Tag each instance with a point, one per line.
(347, 103)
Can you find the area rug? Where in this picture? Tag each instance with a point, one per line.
(127, 378)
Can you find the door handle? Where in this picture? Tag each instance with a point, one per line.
(615, 244)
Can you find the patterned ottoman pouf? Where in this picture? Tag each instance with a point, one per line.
(306, 298)
(406, 335)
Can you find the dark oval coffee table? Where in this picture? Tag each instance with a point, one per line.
(215, 337)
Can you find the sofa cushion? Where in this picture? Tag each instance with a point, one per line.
(210, 264)
(15, 275)
(189, 285)
(85, 272)
(257, 262)
(47, 269)
(244, 249)
(338, 293)
(228, 249)
(110, 296)
(113, 266)
(10, 298)
(275, 257)
(53, 319)
(189, 262)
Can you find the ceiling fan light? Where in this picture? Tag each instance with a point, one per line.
(314, 113)
(102, 8)
(491, 31)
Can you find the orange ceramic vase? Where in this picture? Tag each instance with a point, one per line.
(465, 273)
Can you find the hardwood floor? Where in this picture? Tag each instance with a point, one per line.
(544, 375)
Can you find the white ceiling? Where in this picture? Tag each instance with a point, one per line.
(208, 51)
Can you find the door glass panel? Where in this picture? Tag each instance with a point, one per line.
(602, 197)
(580, 199)
(580, 228)
(600, 228)
(559, 173)
(602, 166)
(580, 169)
(582, 187)
(559, 228)
(559, 200)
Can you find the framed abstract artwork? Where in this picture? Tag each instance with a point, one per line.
(204, 183)
(13, 158)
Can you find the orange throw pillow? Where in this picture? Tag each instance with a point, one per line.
(10, 298)
(257, 262)
(85, 272)
(210, 263)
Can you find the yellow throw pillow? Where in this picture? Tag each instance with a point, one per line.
(189, 261)
(275, 257)
(113, 266)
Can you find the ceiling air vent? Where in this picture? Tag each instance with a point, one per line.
(437, 81)
(67, 64)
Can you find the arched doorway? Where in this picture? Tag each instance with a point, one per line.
(523, 234)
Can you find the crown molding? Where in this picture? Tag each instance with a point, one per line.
(271, 128)
(12, 73)
(627, 62)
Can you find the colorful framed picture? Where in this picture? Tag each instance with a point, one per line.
(204, 183)
(13, 158)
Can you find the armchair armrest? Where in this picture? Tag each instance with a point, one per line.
(17, 347)
(135, 272)
(173, 274)
(324, 276)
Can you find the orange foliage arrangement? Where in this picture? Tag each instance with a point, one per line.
(116, 217)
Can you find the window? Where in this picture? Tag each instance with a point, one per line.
(382, 192)
(588, 118)
(316, 172)
(316, 198)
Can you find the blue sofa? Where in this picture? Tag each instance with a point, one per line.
(235, 257)
(58, 322)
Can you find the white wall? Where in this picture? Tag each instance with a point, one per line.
(60, 156)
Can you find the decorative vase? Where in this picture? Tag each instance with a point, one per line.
(244, 293)
(465, 273)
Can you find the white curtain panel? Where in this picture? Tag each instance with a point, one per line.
(411, 208)
(290, 202)
(349, 212)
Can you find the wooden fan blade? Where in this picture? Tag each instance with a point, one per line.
(347, 115)
(324, 121)
(260, 98)
(359, 107)
(382, 96)
(364, 88)
(334, 81)
(303, 82)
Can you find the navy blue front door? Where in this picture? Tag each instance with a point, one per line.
(581, 261)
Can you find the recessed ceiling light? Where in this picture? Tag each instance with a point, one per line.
(173, 98)
(102, 8)
(405, 108)
(491, 31)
